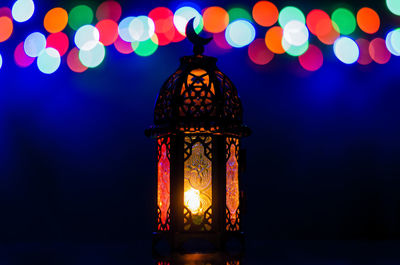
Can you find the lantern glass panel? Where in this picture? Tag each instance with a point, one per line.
(198, 183)
(232, 184)
(163, 184)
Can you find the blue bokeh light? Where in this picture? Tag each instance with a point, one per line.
(240, 33)
(34, 44)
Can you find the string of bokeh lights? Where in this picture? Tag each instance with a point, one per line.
(82, 35)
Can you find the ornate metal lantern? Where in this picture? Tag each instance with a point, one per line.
(198, 126)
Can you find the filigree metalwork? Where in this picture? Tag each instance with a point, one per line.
(232, 107)
(232, 183)
(163, 184)
(198, 183)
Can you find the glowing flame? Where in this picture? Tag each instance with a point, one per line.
(192, 200)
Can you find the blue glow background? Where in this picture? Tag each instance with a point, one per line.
(75, 166)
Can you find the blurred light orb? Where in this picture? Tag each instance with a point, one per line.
(93, 57)
(273, 40)
(34, 44)
(364, 58)
(108, 30)
(294, 50)
(23, 10)
(290, 13)
(55, 20)
(393, 6)
(6, 12)
(345, 20)
(73, 61)
(122, 46)
(109, 10)
(20, 57)
(240, 33)
(87, 37)
(58, 41)
(6, 28)
(378, 51)
(295, 33)
(239, 13)
(259, 53)
(312, 59)
(393, 42)
(141, 28)
(79, 16)
(368, 20)
(216, 19)
(346, 50)
(48, 61)
(182, 17)
(265, 13)
(147, 47)
(123, 29)
(1, 61)
(318, 22)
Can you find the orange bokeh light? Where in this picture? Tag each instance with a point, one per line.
(216, 19)
(55, 20)
(368, 20)
(6, 28)
(265, 13)
(273, 40)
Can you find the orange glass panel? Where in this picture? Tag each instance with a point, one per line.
(232, 180)
(163, 189)
(198, 184)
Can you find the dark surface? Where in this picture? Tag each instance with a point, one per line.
(75, 166)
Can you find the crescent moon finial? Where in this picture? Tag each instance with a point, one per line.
(198, 42)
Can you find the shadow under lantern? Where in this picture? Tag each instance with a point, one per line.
(198, 127)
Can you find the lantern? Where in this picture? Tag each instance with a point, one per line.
(198, 127)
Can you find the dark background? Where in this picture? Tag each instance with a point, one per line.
(322, 163)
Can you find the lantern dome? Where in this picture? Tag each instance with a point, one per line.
(198, 97)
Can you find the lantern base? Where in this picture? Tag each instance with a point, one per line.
(195, 242)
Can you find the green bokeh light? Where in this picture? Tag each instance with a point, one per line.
(79, 16)
(239, 13)
(290, 13)
(345, 20)
(145, 48)
(394, 6)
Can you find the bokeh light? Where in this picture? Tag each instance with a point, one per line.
(345, 20)
(294, 50)
(368, 20)
(141, 28)
(290, 13)
(122, 46)
(312, 59)
(318, 22)
(240, 33)
(393, 6)
(48, 61)
(87, 37)
(123, 29)
(364, 58)
(163, 19)
(55, 20)
(331, 36)
(378, 51)
(109, 10)
(23, 10)
(108, 30)
(216, 19)
(259, 53)
(238, 13)
(265, 13)
(220, 41)
(273, 40)
(34, 44)
(73, 61)
(20, 57)
(6, 28)
(1, 61)
(58, 41)
(346, 50)
(5, 12)
(93, 57)
(79, 16)
(182, 17)
(146, 48)
(295, 33)
(393, 42)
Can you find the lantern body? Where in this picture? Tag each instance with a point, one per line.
(198, 126)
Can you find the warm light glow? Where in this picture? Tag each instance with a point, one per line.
(192, 201)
